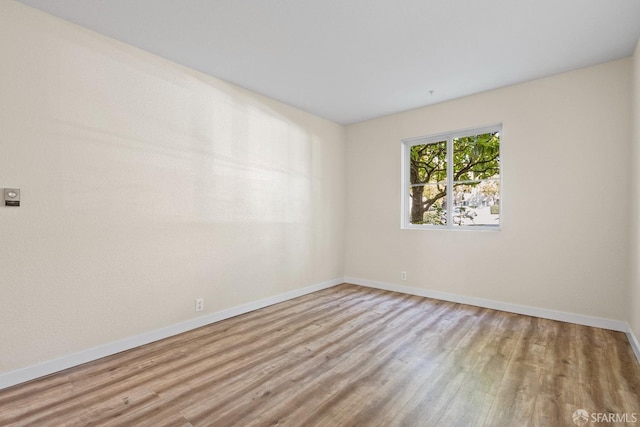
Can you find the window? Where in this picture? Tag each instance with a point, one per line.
(468, 163)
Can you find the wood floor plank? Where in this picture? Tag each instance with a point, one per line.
(346, 356)
(351, 340)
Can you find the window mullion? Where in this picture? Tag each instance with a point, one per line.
(450, 206)
(406, 163)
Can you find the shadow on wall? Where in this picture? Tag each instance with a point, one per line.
(149, 146)
(184, 153)
(136, 146)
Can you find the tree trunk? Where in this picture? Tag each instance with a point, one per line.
(417, 205)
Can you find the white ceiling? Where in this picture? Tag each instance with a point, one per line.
(351, 60)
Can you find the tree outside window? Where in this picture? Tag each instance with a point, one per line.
(467, 162)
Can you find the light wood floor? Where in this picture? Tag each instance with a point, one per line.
(347, 356)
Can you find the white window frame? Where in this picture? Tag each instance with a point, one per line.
(406, 178)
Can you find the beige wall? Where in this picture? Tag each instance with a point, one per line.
(146, 185)
(634, 320)
(565, 224)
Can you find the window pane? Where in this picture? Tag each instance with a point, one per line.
(429, 163)
(427, 204)
(477, 204)
(476, 157)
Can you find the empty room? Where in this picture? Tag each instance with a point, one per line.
(319, 213)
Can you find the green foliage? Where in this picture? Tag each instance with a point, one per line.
(434, 217)
(476, 157)
(429, 163)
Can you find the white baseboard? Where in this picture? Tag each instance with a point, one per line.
(580, 319)
(18, 376)
(633, 340)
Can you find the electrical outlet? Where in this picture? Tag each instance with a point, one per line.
(199, 304)
(403, 275)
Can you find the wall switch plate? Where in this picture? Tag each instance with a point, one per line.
(11, 197)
